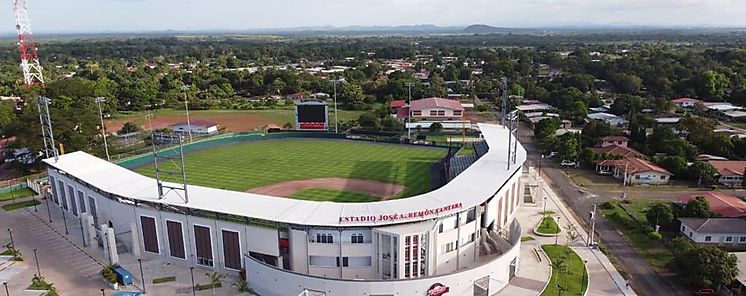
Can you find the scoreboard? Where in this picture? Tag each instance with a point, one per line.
(311, 115)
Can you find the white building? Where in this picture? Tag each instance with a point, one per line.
(461, 236)
(202, 127)
(720, 231)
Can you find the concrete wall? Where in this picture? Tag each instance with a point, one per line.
(270, 281)
(653, 178)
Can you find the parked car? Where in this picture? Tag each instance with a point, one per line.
(568, 163)
(602, 172)
(553, 154)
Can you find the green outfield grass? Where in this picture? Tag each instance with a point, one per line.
(243, 166)
(319, 194)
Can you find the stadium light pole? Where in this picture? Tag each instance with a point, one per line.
(36, 258)
(186, 107)
(409, 111)
(336, 119)
(100, 100)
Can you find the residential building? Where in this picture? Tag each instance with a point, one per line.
(685, 102)
(726, 205)
(613, 141)
(622, 151)
(534, 107)
(433, 109)
(202, 127)
(730, 172)
(719, 231)
(611, 119)
(634, 171)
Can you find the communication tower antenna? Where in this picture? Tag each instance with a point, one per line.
(32, 71)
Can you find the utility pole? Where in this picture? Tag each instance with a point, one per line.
(100, 100)
(186, 107)
(336, 119)
(409, 111)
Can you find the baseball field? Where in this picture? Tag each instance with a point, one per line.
(314, 169)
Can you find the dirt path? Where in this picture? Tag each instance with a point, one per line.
(376, 188)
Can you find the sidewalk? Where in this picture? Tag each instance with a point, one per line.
(74, 268)
(534, 266)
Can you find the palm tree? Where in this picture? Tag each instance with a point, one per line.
(215, 280)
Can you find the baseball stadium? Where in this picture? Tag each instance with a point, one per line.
(311, 213)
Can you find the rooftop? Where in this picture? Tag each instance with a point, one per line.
(722, 203)
(715, 225)
(634, 165)
(430, 103)
(618, 150)
(729, 167)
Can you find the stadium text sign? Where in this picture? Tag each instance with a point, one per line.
(399, 216)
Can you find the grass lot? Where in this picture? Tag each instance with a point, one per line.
(20, 205)
(654, 251)
(247, 165)
(164, 280)
(319, 194)
(16, 193)
(568, 272)
(527, 238)
(548, 226)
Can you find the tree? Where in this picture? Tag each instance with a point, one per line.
(215, 280)
(546, 127)
(706, 266)
(351, 96)
(704, 172)
(7, 115)
(569, 146)
(369, 121)
(659, 214)
(712, 85)
(436, 127)
(129, 127)
(629, 84)
(698, 207)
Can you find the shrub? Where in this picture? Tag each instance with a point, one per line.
(608, 205)
(108, 274)
(654, 236)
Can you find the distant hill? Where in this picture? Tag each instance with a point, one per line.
(487, 29)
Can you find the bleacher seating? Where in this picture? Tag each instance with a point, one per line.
(458, 164)
(481, 148)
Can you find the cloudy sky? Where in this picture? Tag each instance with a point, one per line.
(156, 15)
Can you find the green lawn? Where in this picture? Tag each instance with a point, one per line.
(20, 205)
(242, 166)
(568, 272)
(654, 251)
(16, 193)
(164, 280)
(319, 194)
(548, 226)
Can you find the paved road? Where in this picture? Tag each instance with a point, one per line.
(643, 278)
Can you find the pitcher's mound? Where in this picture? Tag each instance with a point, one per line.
(371, 187)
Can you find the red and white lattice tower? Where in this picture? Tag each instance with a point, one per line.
(32, 71)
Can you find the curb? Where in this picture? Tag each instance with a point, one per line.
(536, 230)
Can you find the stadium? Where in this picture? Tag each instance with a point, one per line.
(313, 213)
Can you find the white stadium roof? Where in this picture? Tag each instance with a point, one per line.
(472, 187)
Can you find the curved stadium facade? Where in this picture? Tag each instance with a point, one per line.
(461, 238)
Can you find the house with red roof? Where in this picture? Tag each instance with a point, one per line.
(622, 151)
(726, 205)
(730, 172)
(632, 170)
(433, 109)
(685, 102)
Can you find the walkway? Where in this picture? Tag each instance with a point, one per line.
(534, 266)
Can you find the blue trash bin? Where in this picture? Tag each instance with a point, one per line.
(124, 277)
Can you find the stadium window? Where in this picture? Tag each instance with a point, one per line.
(433, 112)
(708, 238)
(742, 239)
(440, 228)
(441, 112)
(728, 239)
(417, 113)
(357, 238)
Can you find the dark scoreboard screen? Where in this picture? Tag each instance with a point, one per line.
(311, 113)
